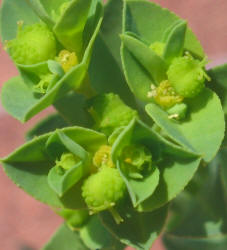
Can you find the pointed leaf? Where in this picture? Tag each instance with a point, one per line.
(40, 11)
(62, 183)
(202, 131)
(138, 230)
(175, 42)
(150, 23)
(29, 165)
(199, 215)
(48, 124)
(36, 102)
(219, 83)
(146, 57)
(95, 236)
(218, 242)
(69, 29)
(74, 116)
(112, 27)
(111, 75)
(139, 190)
(175, 174)
(65, 239)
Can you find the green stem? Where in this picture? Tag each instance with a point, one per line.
(118, 219)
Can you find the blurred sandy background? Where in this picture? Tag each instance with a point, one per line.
(27, 224)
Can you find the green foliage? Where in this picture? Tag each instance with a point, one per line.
(139, 230)
(109, 113)
(69, 31)
(144, 123)
(199, 214)
(29, 166)
(65, 239)
(187, 133)
(95, 236)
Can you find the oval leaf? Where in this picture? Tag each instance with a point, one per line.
(95, 236)
(138, 230)
(65, 239)
(139, 190)
(36, 102)
(29, 166)
(202, 131)
(153, 63)
(175, 42)
(149, 22)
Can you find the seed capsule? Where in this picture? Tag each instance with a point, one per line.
(103, 189)
(187, 75)
(33, 44)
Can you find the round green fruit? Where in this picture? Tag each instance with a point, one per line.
(33, 44)
(187, 76)
(103, 189)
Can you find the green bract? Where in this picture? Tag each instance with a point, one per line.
(47, 73)
(135, 123)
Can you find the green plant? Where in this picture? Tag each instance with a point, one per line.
(136, 121)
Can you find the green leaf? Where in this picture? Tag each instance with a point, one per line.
(96, 10)
(29, 166)
(138, 230)
(62, 183)
(30, 103)
(223, 168)
(75, 219)
(138, 12)
(135, 20)
(175, 174)
(111, 79)
(107, 47)
(57, 144)
(199, 215)
(202, 131)
(219, 83)
(69, 29)
(95, 236)
(48, 124)
(112, 27)
(61, 138)
(40, 11)
(146, 57)
(177, 167)
(218, 242)
(175, 42)
(140, 190)
(36, 102)
(65, 239)
(73, 108)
